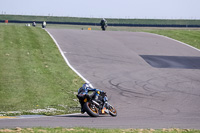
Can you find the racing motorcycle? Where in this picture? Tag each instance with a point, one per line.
(103, 27)
(94, 105)
(103, 24)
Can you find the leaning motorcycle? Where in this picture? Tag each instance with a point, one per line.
(94, 105)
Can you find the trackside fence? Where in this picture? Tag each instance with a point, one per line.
(109, 24)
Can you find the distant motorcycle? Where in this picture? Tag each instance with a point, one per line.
(103, 24)
(103, 27)
(94, 105)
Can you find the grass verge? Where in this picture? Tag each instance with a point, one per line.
(94, 130)
(191, 37)
(34, 78)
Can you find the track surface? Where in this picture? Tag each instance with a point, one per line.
(153, 81)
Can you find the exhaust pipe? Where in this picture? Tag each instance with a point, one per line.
(95, 103)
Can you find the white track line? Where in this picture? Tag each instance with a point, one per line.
(66, 60)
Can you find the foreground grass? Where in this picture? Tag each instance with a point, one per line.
(93, 130)
(33, 75)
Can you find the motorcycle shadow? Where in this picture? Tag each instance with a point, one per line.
(81, 116)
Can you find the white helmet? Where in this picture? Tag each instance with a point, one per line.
(86, 85)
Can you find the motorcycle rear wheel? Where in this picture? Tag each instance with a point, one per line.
(91, 109)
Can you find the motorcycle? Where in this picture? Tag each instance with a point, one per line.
(103, 24)
(103, 27)
(94, 105)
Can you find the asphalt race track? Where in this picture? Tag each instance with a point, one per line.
(153, 81)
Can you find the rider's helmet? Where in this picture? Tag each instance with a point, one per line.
(84, 88)
(86, 85)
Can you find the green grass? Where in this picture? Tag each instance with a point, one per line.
(191, 37)
(97, 20)
(33, 74)
(94, 130)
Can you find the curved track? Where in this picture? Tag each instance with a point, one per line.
(153, 81)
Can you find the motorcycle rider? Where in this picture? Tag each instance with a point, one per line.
(44, 24)
(103, 24)
(34, 24)
(85, 89)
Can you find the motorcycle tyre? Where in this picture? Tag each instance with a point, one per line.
(103, 28)
(89, 111)
(111, 112)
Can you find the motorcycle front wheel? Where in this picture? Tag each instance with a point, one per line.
(112, 111)
(91, 109)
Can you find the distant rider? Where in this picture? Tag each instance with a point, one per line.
(44, 24)
(103, 24)
(85, 89)
(34, 24)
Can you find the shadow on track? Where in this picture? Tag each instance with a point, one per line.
(81, 116)
(180, 62)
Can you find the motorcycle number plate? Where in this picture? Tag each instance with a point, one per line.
(85, 100)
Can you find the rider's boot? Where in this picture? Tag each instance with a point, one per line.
(82, 110)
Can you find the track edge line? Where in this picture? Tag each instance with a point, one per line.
(66, 60)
